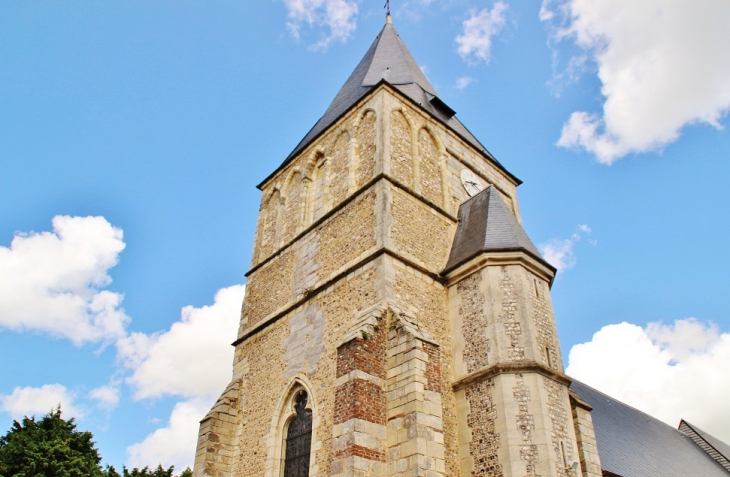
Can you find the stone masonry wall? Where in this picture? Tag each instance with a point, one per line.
(430, 168)
(216, 448)
(546, 336)
(269, 288)
(474, 323)
(426, 300)
(401, 154)
(526, 426)
(339, 168)
(481, 420)
(560, 416)
(360, 409)
(303, 343)
(366, 140)
(415, 415)
(433, 167)
(420, 233)
(319, 179)
(508, 317)
(339, 242)
(293, 206)
(347, 235)
(590, 461)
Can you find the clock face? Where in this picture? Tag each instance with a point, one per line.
(473, 184)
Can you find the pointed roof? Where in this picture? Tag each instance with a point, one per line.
(388, 60)
(634, 444)
(486, 224)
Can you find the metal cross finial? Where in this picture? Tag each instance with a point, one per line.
(387, 7)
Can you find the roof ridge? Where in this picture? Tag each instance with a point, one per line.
(611, 398)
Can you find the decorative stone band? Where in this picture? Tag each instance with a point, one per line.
(362, 189)
(489, 372)
(500, 258)
(282, 312)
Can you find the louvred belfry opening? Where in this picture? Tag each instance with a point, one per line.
(299, 440)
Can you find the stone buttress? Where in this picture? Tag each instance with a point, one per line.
(417, 357)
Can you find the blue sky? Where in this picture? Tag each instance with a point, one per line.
(132, 135)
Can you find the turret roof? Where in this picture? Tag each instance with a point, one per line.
(486, 224)
(388, 60)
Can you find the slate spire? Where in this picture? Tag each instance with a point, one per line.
(388, 60)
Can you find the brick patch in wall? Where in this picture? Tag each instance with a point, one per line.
(360, 408)
(433, 368)
(359, 399)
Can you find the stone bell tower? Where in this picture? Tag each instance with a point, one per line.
(397, 318)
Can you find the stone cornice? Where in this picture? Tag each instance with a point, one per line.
(510, 368)
(364, 188)
(499, 258)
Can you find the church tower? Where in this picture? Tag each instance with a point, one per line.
(397, 318)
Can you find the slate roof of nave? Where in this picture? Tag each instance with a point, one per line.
(487, 224)
(388, 60)
(634, 444)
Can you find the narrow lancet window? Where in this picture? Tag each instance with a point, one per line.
(299, 439)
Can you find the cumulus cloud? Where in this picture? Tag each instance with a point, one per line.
(51, 282)
(106, 396)
(193, 357)
(192, 360)
(339, 17)
(475, 41)
(30, 401)
(662, 65)
(463, 82)
(559, 251)
(669, 371)
(175, 443)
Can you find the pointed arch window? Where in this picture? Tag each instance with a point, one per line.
(298, 439)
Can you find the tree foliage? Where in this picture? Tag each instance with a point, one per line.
(53, 447)
(50, 446)
(146, 472)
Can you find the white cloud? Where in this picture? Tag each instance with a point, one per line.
(662, 64)
(50, 281)
(475, 41)
(463, 82)
(30, 401)
(669, 371)
(193, 358)
(559, 251)
(106, 396)
(174, 444)
(338, 16)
